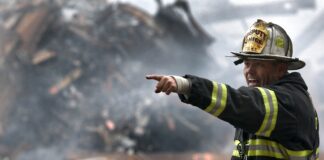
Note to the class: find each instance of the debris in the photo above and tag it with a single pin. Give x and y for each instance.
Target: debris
(110, 125)
(96, 158)
(11, 22)
(188, 124)
(142, 17)
(93, 90)
(183, 27)
(67, 80)
(8, 42)
(42, 56)
(32, 26)
(203, 156)
(84, 34)
(155, 156)
(171, 123)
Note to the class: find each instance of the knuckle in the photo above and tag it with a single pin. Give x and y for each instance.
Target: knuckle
(164, 78)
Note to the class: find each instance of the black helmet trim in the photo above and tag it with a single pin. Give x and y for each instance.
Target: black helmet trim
(293, 63)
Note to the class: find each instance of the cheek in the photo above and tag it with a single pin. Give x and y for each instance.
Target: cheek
(261, 74)
(266, 76)
(245, 72)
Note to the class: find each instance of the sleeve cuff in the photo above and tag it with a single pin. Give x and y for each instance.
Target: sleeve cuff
(183, 85)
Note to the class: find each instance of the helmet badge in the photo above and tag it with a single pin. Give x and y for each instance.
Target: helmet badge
(256, 39)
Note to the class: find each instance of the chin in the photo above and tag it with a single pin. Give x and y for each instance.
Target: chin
(253, 85)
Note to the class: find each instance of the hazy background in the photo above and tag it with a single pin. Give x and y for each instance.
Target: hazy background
(113, 100)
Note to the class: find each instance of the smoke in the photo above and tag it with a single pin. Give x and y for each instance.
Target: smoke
(110, 107)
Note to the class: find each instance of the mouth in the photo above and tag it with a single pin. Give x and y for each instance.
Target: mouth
(252, 82)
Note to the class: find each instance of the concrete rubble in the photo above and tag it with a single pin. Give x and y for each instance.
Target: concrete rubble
(72, 80)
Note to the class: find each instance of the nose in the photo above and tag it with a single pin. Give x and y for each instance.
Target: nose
(248, 69)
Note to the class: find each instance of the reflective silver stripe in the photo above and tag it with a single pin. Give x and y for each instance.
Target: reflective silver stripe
(218, 99)
(218, 102)
(271, 112)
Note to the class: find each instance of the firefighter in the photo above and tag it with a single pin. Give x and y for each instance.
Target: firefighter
(273, 115)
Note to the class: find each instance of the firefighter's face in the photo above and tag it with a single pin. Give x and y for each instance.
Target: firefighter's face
(260, 72)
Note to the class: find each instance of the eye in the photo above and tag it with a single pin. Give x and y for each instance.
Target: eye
(261, 65)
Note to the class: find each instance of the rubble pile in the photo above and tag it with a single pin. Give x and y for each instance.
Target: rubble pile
(72, 81)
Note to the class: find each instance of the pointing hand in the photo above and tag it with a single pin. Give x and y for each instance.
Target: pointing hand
(165, 83)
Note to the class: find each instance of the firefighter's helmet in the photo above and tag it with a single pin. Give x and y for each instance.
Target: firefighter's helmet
(268, 41)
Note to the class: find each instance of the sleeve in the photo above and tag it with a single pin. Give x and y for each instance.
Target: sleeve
(254, 109)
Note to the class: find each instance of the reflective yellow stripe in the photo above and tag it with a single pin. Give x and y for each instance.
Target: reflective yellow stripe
(271, 112)
(268, 148)
(256, 152)
(213, 98)
(265, 153)
(218, 99)
(317, 153)
(223, 101)
(236, 142)
(235, 153)
(299, 153)
(275, 113)
(263, 142)
(267, 110)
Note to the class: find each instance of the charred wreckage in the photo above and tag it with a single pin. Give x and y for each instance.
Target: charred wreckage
(72, 79)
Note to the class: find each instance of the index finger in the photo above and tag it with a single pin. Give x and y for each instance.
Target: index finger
(154, 77)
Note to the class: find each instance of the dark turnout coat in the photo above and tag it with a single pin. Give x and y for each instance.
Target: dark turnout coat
(277, 121)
